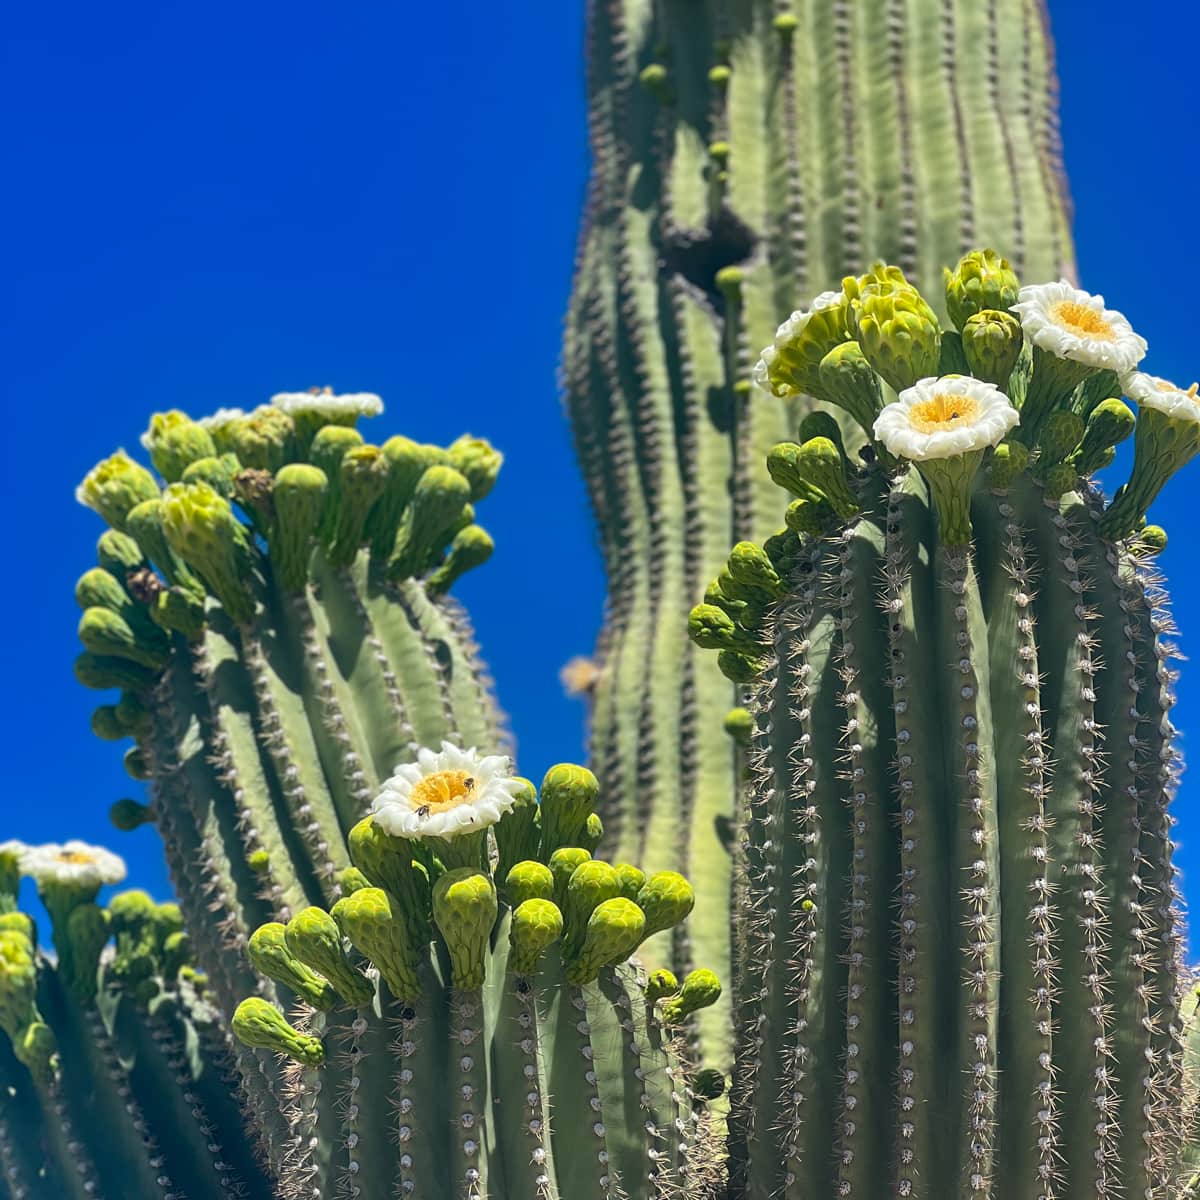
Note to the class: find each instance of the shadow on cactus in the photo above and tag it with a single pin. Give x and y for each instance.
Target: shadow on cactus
(958, 936)
(116, 1072)
(485, 1035)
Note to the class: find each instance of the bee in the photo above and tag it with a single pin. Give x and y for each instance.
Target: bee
(468, 785)
(423, 811)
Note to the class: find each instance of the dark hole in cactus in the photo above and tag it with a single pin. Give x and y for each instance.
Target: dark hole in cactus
(698, 254)
(721, 409)
(444, 656)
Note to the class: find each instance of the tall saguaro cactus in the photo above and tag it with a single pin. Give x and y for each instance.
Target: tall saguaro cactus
(747, 153)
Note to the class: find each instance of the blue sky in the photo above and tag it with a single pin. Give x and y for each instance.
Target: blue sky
(205, 205)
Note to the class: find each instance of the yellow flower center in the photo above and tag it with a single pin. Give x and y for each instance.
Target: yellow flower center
(1083, 321)
(442, 791)
(942, 411)
(74, 856)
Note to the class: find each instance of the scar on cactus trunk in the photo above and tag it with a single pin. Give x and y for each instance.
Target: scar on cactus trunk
(958, 942)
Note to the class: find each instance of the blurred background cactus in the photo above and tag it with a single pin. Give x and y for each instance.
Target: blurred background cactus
(747, 155)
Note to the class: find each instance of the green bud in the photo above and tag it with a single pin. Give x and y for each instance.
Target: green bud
(465, 908)
(118, 553)
(790, 366)
(630, 880)
(114, 486)
(178, 611)
(653, 78)
(128, 815)
(363, 476)
(563, 864)
(87, 932)
(106, 725)
(708, 1084)
(105, 632)
(259, 861)
(1151, 539)
(37, 1047)
(388, 863)
(1059, 479)
(803, 469)
(175, 441)
(1108, 424)
(739, 724)
(785, 25)
(477, 462)
(750, 566)
(351, 880)
(331, 444)
(1059, 435)
(662, 983)
(569, 794)
(259, 1024)
(518, 833)
(18, 981)
(99, 588)
(102, 672)
(428, 521)
(528, 881)
(614, 931)
(820, 424)
(897, 330)
(846, 379)
(1009, 459)
(299, 497)
(991, 344)
(268, 952)
(19, 923)
(700, 990)
(367, 919)
(201, 528)
(132, 713)
(264, 440)
(313, 937)
(471, 548)
(666, 899)
(739, 667)
(981, 281)
(177, 950)
(719, 76)
(810, 518)
(145, 524)
(782, 547)
(591, 883)
(136, 765)
(536, 924)
(217, 471)
(593, 833)
(407, 462)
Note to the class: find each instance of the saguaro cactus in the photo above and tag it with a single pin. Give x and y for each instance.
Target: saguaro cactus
(959, 945)
(117, 1076)
(498, 1046)
(747, 153)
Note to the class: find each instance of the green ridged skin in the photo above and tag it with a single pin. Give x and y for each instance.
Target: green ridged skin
(748, 154)
(957, 931)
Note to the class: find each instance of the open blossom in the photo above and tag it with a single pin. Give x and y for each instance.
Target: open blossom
(73, 862)
(1069, 323)
(1149, 391)
(941, 418)
(446, 793)
(323, 402)
(221, 418)
(786, 336)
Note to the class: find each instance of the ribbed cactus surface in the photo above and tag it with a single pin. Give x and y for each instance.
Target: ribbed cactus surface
(958, 939)
(479, 1033)
(747, 154)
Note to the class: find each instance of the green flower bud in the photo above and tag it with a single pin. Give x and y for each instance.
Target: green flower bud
(102, 672)
(846, 379)
(662, 983)
(128, 815)
(798, 470)
(991, 345)
(37, 1047)
(790, 366)
(136, 765)
(19, 923)
(518, 833)
(175, 441)
(388, 863)
(18, 981)
(666, 899)
(362, 477)
(145, 524)
(820, 424)
(133, 713)
(981, 281)
(711, 628)
(106, 725)
(471, 548)
(630, 879)
(614, 931)
(700, 990)
(299, 496)
(114, 486)
(428, 521)
(739, 667)
(259, 861)
(407, 462)
(708, 1084)
(1009, 459)
(105, 632)
(654, 79)
(201, 528)
(781, 548)
(810, 518)
(563, 864)
(99, 588)
(218, 471)
(536, 924)
(179, 611)
(528, 881)
(367, 919)
(177, 949)
(264, 440)
(259, 1024)
(268, 952)
(897, 330)
(477, 461)
(331, 444)
(351, 880)
(1108, 424)
(569, 794)
(750, 566)
(313, 937)
(1060, 434)
(1151, 539)
(739, 724)
(591, 883)
(87, 932)
(465, 908)
(593, 833)
(1059, 479)
(118, 553)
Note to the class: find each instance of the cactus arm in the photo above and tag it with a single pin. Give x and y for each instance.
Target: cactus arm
(29, 1168)
(1025, 1038)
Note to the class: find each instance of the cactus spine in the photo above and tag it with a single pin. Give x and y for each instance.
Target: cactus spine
(959, 955)
(747, 154)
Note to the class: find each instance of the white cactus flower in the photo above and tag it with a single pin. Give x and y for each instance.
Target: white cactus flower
(1149, 391)
(445, 794)
(942, 418)
(1069, 323)
(785, 335)
(221, 418)
(74, 862)
(323, 402)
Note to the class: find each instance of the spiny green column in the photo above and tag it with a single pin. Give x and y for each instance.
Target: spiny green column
(748, 154)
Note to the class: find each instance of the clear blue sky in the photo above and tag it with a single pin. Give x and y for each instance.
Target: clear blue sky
(207, 204)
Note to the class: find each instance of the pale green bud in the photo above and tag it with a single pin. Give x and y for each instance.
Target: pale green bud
(896, 328)
(18, 981)
(813, 471)
(662, 983)
(739, 724)
(471, 548)
(87, 932)
(810, 518)
(105, 632)
(363, 476)
(313, 937)
(518, 833)
(259, 1024)
(331, 444)
(351, 880)
(367, 919)
(739, 667)
(102, 672)
(1108, 424)
(614, 931)
(563, 864)
(630, 880)
(666, 899)
(1009, 459)
(477, 461)
(849, 381)
(591, 883)
(137, 765)
(407, 462)
(178, 611)
(114, 486)
(820, 424)
(713, 629)
(268, 952)
(388, 863)
(118, 553)
(593, 833)
(569, 794)
(265, 440)
(750, 567)
(1059, 434)
(218, 471)
(791, 364)
(982, 280)
(1151, 539)
(700, 990)
(529, 881)
(1059, 479)
(37, 1047)
(175, 441)
(429, 520)
(536, 924)
(465, 908)
(99, 588)
(991, 345)
(299, 496)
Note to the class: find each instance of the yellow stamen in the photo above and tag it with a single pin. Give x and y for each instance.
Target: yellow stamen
(1083, 321)
(442, 791)
(942, 411)
(74, 856)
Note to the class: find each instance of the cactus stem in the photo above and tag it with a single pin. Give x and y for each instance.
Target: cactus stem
(469, 1070)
